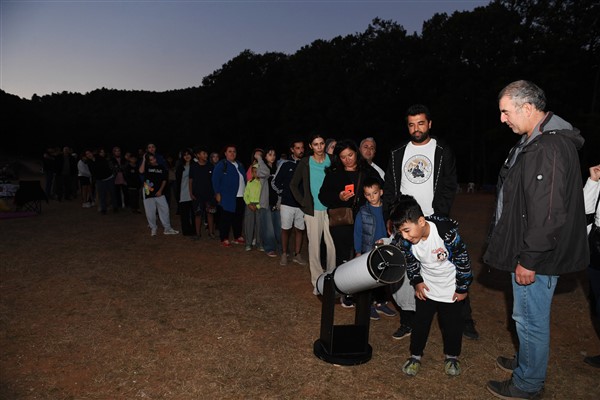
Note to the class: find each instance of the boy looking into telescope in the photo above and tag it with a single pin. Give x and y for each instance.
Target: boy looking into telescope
(439, 268)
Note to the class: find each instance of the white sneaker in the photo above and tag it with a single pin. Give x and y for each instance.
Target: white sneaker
(86, 205)
(152, 233)
(171, 232)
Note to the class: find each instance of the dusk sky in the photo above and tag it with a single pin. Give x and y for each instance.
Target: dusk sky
(51, 46)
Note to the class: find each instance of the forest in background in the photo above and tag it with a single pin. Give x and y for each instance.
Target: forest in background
(353, 86)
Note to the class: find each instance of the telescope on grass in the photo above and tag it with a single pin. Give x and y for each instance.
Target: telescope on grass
(349, 344)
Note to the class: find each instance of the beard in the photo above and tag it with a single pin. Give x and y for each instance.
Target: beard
(419, 137)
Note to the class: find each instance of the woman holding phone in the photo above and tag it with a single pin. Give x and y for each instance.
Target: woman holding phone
(343, 187)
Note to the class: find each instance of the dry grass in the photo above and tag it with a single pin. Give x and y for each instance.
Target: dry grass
(92, 307)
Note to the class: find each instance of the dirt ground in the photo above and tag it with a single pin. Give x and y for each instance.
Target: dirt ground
(92, 307)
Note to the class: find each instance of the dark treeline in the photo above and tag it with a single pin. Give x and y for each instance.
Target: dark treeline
(353, 86)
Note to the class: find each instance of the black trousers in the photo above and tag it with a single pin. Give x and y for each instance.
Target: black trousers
(232, 220)
(406, 316)
(343, 240)
(451, 324)
(188, 218)
(133, 195)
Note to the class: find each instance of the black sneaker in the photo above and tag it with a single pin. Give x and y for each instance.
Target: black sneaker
(402, 332)
(593, 361)
(470, 332)
(347, 302)
(506, 364)
(383, 308)
(374, 314)
(506, 390)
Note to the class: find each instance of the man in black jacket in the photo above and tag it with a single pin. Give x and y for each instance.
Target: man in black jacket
(424, 168)
(540, 228)
(292, 215)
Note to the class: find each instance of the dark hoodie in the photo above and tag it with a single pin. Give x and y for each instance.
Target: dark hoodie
(540, 220)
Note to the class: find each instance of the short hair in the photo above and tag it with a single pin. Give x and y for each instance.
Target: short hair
(371, 181)
(367, 139)
(405, 209)
(417, 109)
(228, 146)
(294, 141)
(521, 92)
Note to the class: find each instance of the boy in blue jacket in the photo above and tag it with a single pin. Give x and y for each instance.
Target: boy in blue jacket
(369, 227)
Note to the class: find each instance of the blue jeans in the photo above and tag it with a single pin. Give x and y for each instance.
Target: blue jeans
(270, 229)
(531, 313)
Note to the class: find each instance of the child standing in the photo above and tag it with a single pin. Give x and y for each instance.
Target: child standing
(155, 181)
(369, 226)
(439, 268)
(252, 199)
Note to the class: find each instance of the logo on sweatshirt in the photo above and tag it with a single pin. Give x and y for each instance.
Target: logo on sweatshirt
(440, 253)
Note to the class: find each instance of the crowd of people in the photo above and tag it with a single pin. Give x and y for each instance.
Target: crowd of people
(273, 205)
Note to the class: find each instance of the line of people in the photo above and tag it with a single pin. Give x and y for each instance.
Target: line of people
(269, 202)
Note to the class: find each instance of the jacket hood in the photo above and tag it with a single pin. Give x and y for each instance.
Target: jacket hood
(444, 224)
(555, 125)
(574, 136)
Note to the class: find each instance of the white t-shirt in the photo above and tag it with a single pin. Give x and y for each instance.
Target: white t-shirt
(242, 183)
(417, 174)
(438, 273)
(184, 191)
